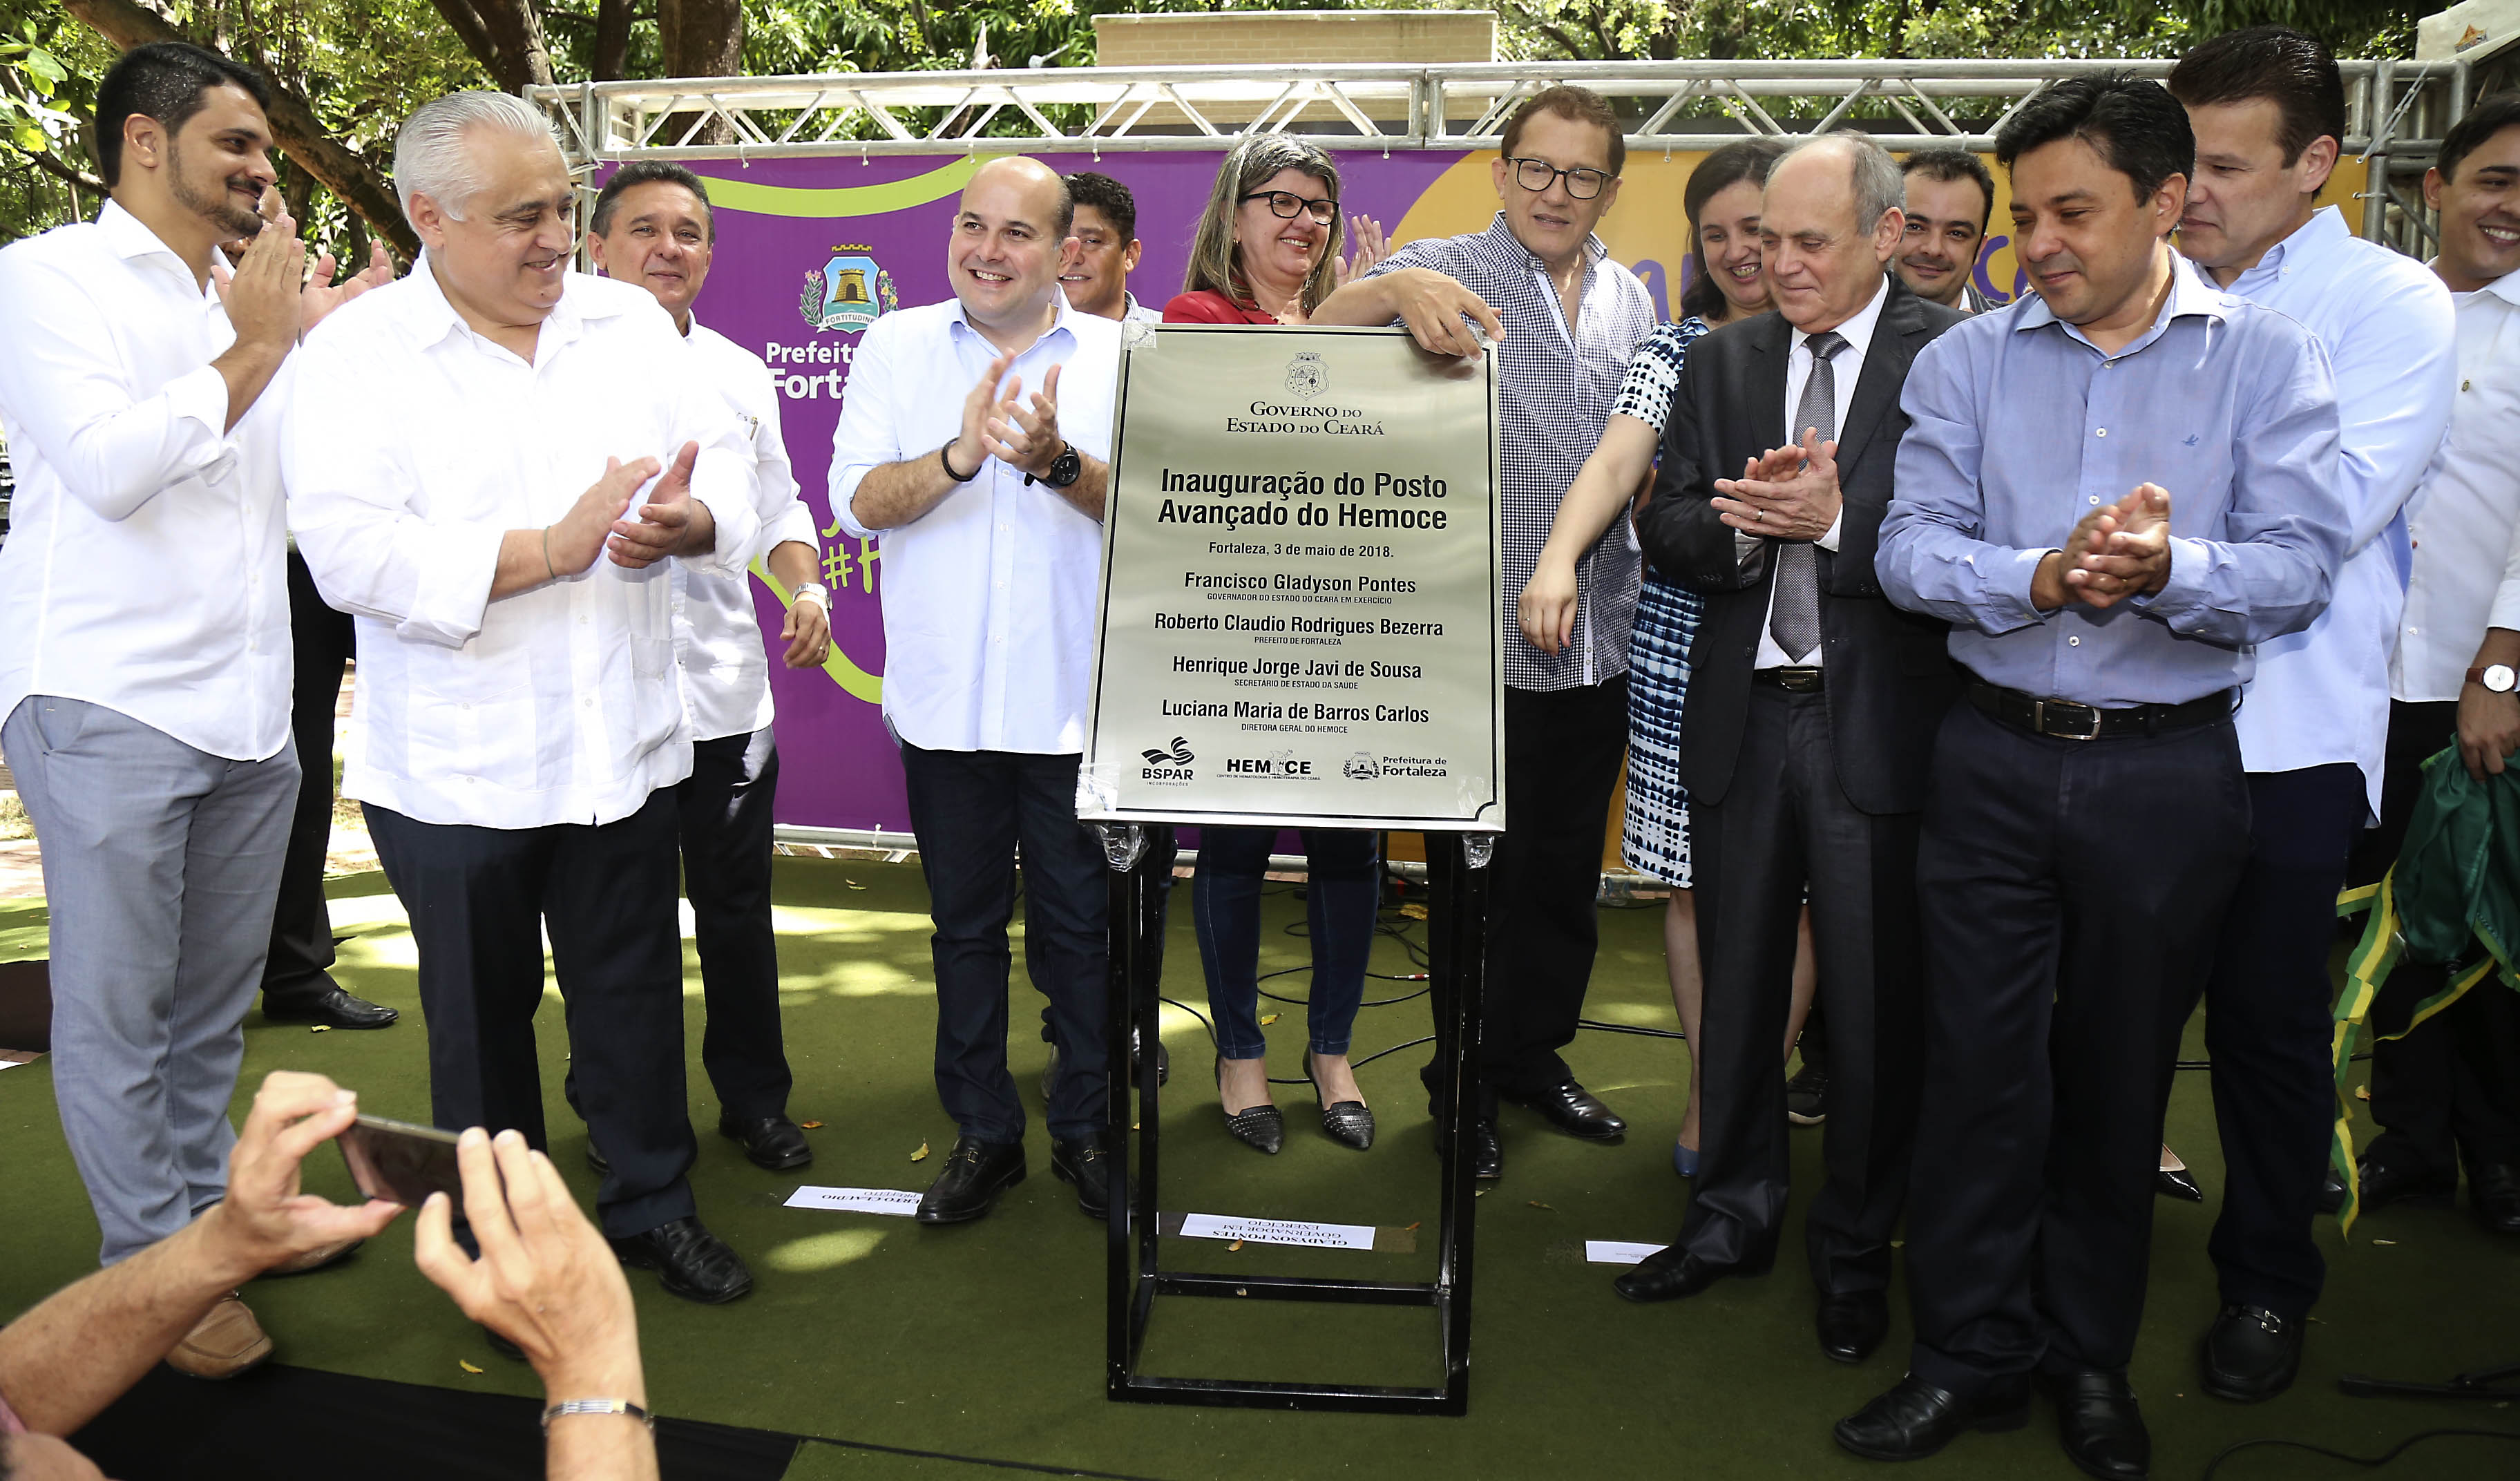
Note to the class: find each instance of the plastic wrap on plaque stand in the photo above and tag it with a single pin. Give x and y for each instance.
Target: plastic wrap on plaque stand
(1141, 857)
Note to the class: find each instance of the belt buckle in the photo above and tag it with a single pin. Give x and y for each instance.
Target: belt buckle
(2039, 719)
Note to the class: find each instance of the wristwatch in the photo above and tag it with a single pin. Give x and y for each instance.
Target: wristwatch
(2498, 677)
(1065, 469)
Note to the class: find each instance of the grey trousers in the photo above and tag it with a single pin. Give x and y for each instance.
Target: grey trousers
(160, 866)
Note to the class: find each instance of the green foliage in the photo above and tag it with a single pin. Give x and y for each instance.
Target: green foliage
(49, 63)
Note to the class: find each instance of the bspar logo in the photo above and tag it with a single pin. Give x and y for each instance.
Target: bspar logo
(848, 292)
(1306, 377)
(1179, 755)
(1362, 767)
(1168, 768)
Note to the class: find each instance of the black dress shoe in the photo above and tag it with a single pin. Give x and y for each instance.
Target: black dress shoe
(1487, 1150)
(595, 1157)
(325, 1004)
(1914, 1419)
(2379, 1186)
(1574, 1110)
(976, 1173)
(2331, 1194)
(1085, 1162)
(2494, 1197)
(2173, 1182)
(1807, 1095)
(2097, 1421)
(695, 1263)
(1671, 1273)
(2251, 1354)
(1851, 1328)
(771, 1142)
(1349, 1123)
(1262, 1126)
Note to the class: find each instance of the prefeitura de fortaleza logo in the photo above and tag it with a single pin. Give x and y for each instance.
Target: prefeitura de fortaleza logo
(848, 292)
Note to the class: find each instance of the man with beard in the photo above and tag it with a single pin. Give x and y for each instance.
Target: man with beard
(144, 589)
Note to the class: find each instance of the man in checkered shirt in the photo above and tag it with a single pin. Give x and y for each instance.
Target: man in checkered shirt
(1567, 319)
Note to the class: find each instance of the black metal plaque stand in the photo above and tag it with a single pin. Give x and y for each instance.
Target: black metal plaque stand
(1142, 856)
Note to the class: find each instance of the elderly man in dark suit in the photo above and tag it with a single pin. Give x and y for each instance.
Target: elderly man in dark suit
(1812, 711)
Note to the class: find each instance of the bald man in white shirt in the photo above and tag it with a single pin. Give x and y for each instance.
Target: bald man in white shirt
(520, 728)
(652, 225)
(144, 679)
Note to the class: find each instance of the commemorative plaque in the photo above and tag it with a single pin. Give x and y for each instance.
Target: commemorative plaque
(1301, 585)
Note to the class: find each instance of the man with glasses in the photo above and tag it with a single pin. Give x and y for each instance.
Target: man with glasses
(1566, 320)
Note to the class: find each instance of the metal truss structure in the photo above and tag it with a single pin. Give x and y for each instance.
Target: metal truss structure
(2399, 110)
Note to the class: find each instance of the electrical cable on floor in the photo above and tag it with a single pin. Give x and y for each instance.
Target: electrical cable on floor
(2366, 1462)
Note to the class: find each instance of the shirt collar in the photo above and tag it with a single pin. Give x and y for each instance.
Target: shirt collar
(428, 317)
(2309, 242)
(2189, 295)
(1858, 330)
(1057, 320)
(2506, 287)
(132, 240)
(1500, 236)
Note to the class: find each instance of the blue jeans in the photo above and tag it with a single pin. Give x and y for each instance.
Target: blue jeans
(1339, 906)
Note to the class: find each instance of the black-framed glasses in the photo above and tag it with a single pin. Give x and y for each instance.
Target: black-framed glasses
(1538, 175)
(1289, 205)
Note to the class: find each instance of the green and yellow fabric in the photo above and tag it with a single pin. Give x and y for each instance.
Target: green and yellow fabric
(2452, 898)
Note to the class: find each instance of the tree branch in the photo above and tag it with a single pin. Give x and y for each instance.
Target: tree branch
(294, 126)
(611, 38)
(67, 174)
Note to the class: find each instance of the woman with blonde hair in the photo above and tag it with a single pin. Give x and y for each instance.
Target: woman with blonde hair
(1267, 251)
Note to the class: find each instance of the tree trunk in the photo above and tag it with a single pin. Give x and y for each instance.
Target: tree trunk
(701, 38)
(357, 182)
(611, 38)
(505, 37)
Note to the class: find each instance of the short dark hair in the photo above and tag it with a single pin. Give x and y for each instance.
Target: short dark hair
(2133, 123)
(1951, 165)
(2294, 72)
(607, 201)
(1577, 105)
(1106, 195)
(164, 80)
(2485, 118)
(1742, 159)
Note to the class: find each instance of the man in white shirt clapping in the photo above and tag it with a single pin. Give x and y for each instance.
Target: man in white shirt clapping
(990, 505)
(652, 225)
(464, 453)
(144, 679)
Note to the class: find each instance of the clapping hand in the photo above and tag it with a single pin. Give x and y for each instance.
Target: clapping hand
(1790, 492)
(1370, 248)
(670, 523)
(321, 294)
(1025, 437)
(2120, 550)
(262, 294)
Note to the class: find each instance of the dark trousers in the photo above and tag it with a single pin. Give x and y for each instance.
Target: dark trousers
(1784, 821)
(2270, 1035)
(971, 810)
(1562, 749)
(2070, 893)
(302, 928)
(481, 900)
(2450, 1090)
(1340, 892)
(723, 813)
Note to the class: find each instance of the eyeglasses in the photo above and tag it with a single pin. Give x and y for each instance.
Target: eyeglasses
(1538, 175)
(1289, 205)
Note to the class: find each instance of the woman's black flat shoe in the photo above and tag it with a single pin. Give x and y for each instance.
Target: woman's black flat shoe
(1261, 1126)
(2173, 1182)
(1350, 1123)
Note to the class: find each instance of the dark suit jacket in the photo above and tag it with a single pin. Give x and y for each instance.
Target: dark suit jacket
(1888, 676)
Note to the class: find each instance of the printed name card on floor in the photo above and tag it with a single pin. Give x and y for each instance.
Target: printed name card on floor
(1278, 1232)
(1618, 1252)
(857, 1201)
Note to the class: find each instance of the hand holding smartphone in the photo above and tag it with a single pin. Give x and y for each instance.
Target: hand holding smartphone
(400, 1162)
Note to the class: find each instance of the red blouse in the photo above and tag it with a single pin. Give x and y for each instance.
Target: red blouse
(1205, 308)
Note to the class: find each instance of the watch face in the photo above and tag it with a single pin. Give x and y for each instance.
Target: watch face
(2499, 678)
(1066, 468)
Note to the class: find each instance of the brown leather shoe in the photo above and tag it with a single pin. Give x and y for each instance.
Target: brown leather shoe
(323, 1258)
(223, 1344)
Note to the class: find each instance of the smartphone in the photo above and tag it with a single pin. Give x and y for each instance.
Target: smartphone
(401, 1163)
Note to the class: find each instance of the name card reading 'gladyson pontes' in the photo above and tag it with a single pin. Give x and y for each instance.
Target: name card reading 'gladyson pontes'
(1301, 574)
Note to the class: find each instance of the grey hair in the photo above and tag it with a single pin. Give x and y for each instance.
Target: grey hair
(1213, 265)
(1880, 185)
(429, 153)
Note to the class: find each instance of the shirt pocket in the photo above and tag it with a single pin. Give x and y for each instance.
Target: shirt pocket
(655, 689)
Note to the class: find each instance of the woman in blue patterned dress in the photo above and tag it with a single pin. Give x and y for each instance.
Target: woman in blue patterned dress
(1722, 199)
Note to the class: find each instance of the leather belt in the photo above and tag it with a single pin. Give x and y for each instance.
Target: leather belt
(2066, 720)
(1793, 680)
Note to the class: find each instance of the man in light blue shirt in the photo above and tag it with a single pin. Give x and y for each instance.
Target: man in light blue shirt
(2112, 490)
(2267, 106)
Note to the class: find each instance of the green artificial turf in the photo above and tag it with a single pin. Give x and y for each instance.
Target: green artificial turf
(987, 1340)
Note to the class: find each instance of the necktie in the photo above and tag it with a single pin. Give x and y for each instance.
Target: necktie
(1793, 616)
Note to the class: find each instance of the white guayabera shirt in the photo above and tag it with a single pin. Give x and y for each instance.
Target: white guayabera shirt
(412, 445)
(146, 563)
(718, 636)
